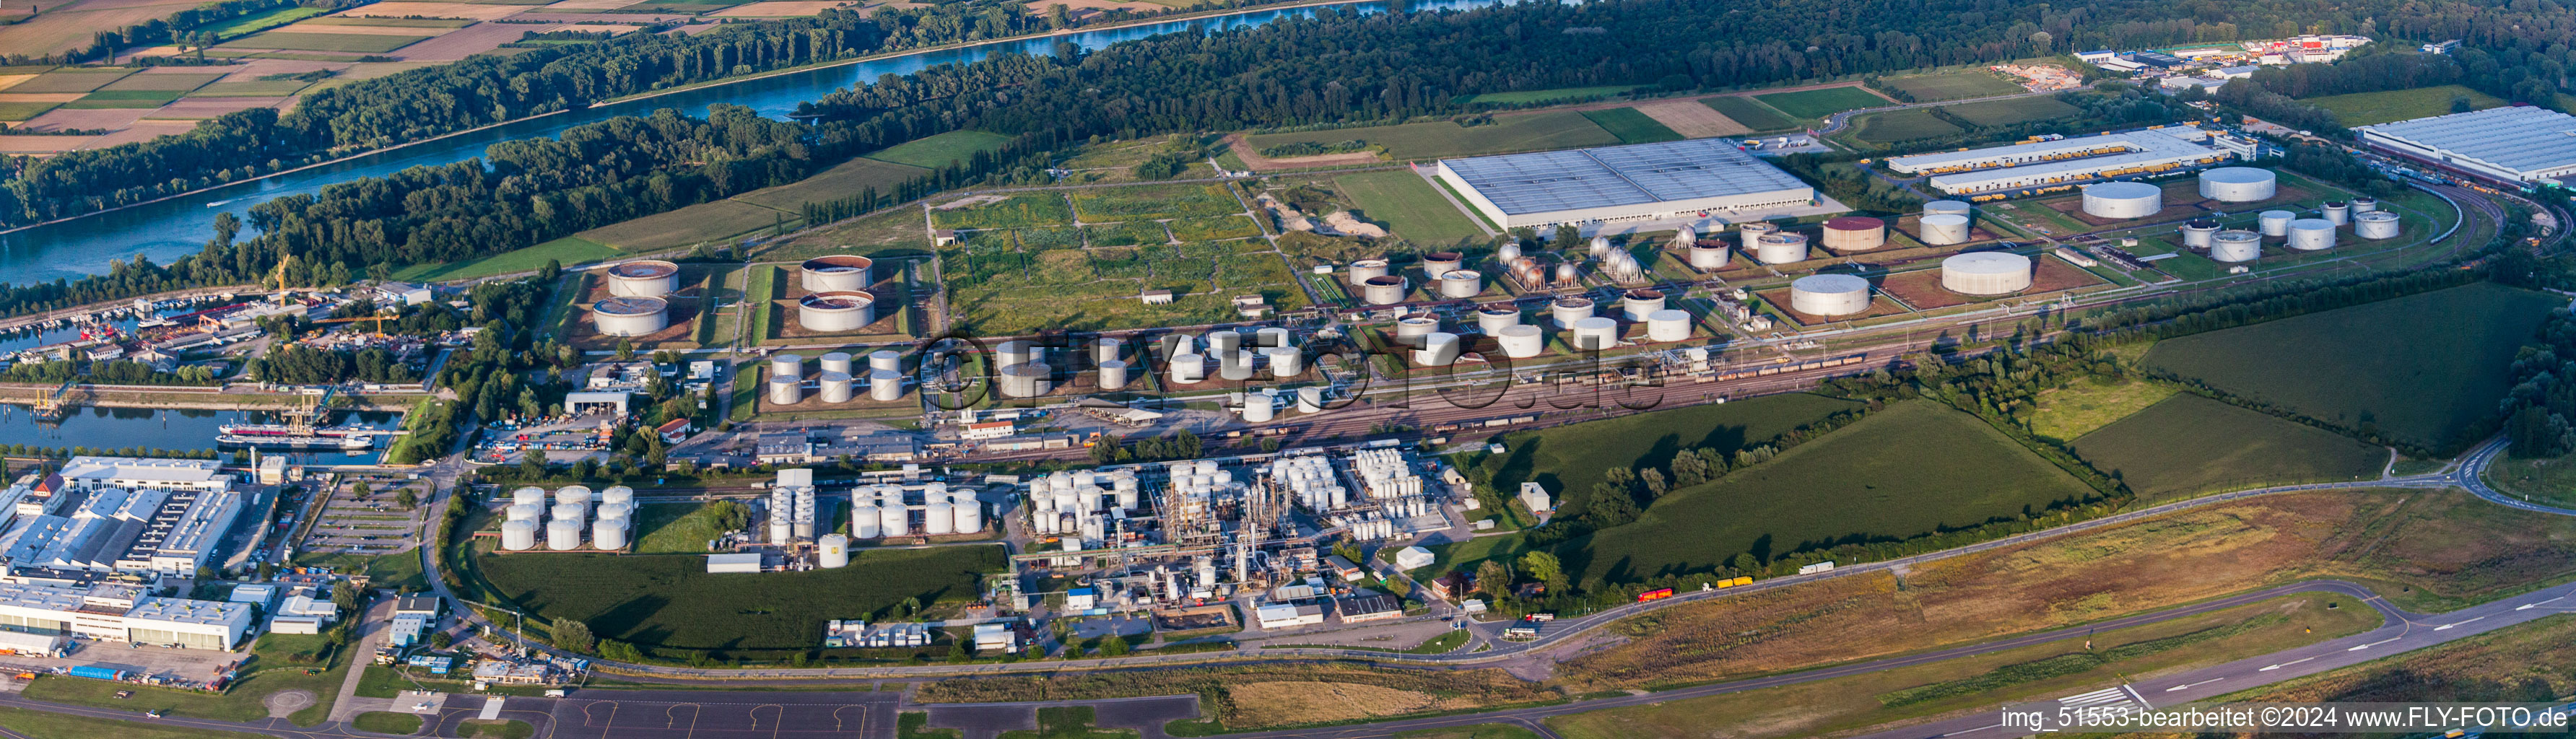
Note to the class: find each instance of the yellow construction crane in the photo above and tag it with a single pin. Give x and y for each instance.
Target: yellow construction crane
(278, 275)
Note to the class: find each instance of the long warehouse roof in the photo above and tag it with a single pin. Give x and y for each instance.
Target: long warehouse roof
(1619, 175)
(2525, 139)
(2149, 147)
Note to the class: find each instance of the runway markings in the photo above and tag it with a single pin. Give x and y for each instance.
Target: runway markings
(2529, 606)
(2457, 623)
(2372, 644)
(2285, 664)
(2193, 685)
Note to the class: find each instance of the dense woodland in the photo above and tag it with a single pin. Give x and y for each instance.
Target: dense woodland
(304, 365)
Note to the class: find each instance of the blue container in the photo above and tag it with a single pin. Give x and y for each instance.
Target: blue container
(97, 673)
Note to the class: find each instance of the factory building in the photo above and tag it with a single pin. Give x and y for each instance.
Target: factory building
(1694, 178)
(2064, 161)
(121, 514)
(2519, 145)
(121, 613)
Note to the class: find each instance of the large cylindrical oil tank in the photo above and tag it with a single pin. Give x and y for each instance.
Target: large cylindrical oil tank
(1025, 380)
(1668, 325)
(836, 273)
(837, 387)
(1461, 283)
(579, 494)
(1947, 207)
(529, 495)
(840, 362)
(2311, 234)
(2337, 211)
(1565, 311)
(1596, 333)
(885, 359)
(832, 551)
(1222, 342)
(2276, 223)
(2238, 184)
(1443, 262)
(625, 316)
(1409, 331)
(1285, 361)
(1829, 295)
(2376, 224)
(2235, 246)
(894, 520)
(518, 536)
(1986, 273)
(1492, 317)
(1273, 336)
(1235, 365)
(790, 366)
(836, 312)
(1188, 368)
(1108, 349)
(1015, 351)
(643, 278)
(2123, 200)
(1310, 399)
(969, 513)
(884, 385)
(1943, 229)
(1259, 408)
(1113, 375)
(523, 512)
(1781, 248)
(1641, 302)
(2364, 204)
(937, 519)
(1383, 290)
(1438, 350)
(1855, 233)
(563, 534)
(786, 391)
(1709, 255)
(1749, 236)
(607, 534)
(1523, 341)
(2196, 232)
(1166, 345)
(864, 519)
(1363, 270)
(617, 494)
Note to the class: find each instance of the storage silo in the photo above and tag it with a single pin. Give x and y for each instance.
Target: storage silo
(836, 273)
(1461, 283)
(1235, 365)
(1014, 352)
(894, 520)
(786, 391)
(2236, 246)
(643, 278)
(1113, 375)
(1026, 380)
(617, 495)
(2336, 211)
(1523, 341)
(1366, 269)
(1273, 336)
(1188, 368)
(518, 536)
(1222, 342)
(1668, 325)
(1409, 331)
(2311, 234)
(1709, 256)
(1438, 350)
(1781, 248)
(1855, 233)
(2375, 224)
(563, 534)
(574, 494)
(1492, 317)
(832, 551)
(1567, 275)
(937, 519)
(622, 513)
(2123, 200)
(1986, 273)
(885, 385)
(607, 534)
(1443, 262)
(790, 366)
(529, 495)
(1175, 343)
(1942, 229)
(2276, 223)
(1565, 311)
(840, 362)
(2238, 184)
(1310, 399)
(1258, 408)
(2197, 232)
(1285, 361)
(1829, 295)
(624, 316)
(1108, 349)
(1947, 207)
(523, 512)
(1596, 333)
(837, 387)
(1640, 303)
(885, 359)
(2364, 204)
(864, 518)
(1749, 236)
(970, 514)
(1383, 290)
(836, 312)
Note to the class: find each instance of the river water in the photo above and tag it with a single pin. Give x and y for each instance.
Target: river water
(168, 229)
(172, 429)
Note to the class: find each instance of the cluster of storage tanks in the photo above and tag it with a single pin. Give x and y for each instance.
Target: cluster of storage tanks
(838, 381)
(1943, 223)
(638, 302)
(879, 511)
(1620, 265)
(568, 519)
(1239, 355)
(1310, 481)
(1077, 504)
(837, 298)
(792, 507)
(2294, 231)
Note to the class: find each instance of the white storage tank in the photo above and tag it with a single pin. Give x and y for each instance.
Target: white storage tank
(791, 366)
(579, 494)
(518, 536)
(837, 387)
(885, 359)
(1596, 333)
(621, 513)
(1947, 207)
(2364, 204)
(1442, 262)
(864, 518)
(1285, 361)
(786, 391)
(1113, 375)
(832, 551)
(840, 362)
(563, 534)
(937, 519)
(643, 278)
(1461, 283)
(1668, 325)
(836, 312)
(1026, 380)
(617, 494)
(885, 385)
(1523, 341)
(625, 316)
(2123, 200)
(2236, 246)
(2276, 223)
(2375, 224)
(1749, 236)
(2238, 184)
(1108, 349)
(1565, 311)
(1438, 350)
(1781, 248)
(1855, 233)
(1829, 295)
(894, 520)
(1640, 303)
(1222, 342)
(2337, 211)
(1383, 290)
(1258, 408)
(523, 512)
(529, 495)
(2197, 232)
(1986, 273)
(1366, 269)
(835, 273)
(1235, 365)
(2311, 234)
(608, 534)
(1409, 331)
(1492, 317)
(1273, 336)
(1188, 368)
(1943, 229)
(970, 515)
(1310, 399)
(1709, 256)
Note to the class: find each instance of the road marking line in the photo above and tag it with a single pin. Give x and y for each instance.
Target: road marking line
(2372, 644)
(2194, 685)
(2285, 664)
(2457, 623)
(2528, 606)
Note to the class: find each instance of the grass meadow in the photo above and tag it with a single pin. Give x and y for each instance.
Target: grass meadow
(2366, 108)
(1902, 125)
(1631, 126)
(2188, 444)
(1530, 97)
(1820, 102)
(568, 250)
(1408, 206)
(1752, 114)
(2009, 112)
(669, 600)
(933, 152)
(1951, 85)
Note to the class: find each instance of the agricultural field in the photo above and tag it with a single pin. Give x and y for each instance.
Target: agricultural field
(1556, 129)
(2079, 408)
(73, 79)
(2366, 108)
(848, 179)
(1532, 97)
(1819, 102)
(347, 43)
(261, 21)
(1927, 88)
(252, 87)
(123, 99)
(569, 250)
(938, 151)
(670, 602)
(2188, 445)
(705, 222)
(1747, 111)
(1153, 202)
(1907, 124)
(166, 82)
(1571, 458)
(73, 24)
(1631, 125)
(2008, 112)
(2423, 368)
(1408, 206)
(2544, 479)
(13, 112)
(990, 211)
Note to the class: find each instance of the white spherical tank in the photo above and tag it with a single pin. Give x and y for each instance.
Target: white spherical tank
(885, 385)
(1668, 325)
(1567, 275)
(2123, 200)
(1709, 256)
(836, 273)
(1641, 302)
(2337, 211)
(885, 359)
(625, 316)
(1749, 236)
(2276, 223)
(832, 551)
(2311, 234)
(1383, 290)
(837, 387)
(1943, 229)
(1523, 341)
(1113, 375)
(1188, 368)
(2197, 232)
(2375, 224)
(1026, 380)
(1855, 233)
(1438, 350)
(1781, 248)
(1285, 361)
(1461, 283)
(864, 520)
(1947, 207)
(1364, 270)
(643, 278)
(937, 519)
(607, 534)
(1598, 246)
(1986, 273)
(1566, 311)
(518, 536)
(1495, 316)
(836, 312)
(1596, 333)
(786, 391)
(563, 534)
(840, 362)
(2238, 184)
(790, 366)
(1829, 295)
(2236, 246)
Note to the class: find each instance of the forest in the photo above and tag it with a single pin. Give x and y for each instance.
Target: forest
(304, 365)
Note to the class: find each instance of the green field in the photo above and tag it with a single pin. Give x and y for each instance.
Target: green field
(1907, 124)
(569, 250)
(2366, 108)
(1408, 206)
(1821, 102)
(250, 88)
(274, 667)
(1631, 126)
(848, 179)
(1556, 129)
(2079, 408)
(1752, 114)
(23, 111)
(2009, 112)
(954, 147)
(1016, 211)
(669, 600)
(2421, 369)
(351, 43)
(35, 724)
(1526, 97)
(124, 99)
(674, 528)
(1951, 86)
(2189, 444)
(75, 79)
(1914, 468)
(395, 22)
(1153, 202)
(387, 722)
(705, 222)
(1569, 459)
(1213, 228)
(162, 82)
(261, 21)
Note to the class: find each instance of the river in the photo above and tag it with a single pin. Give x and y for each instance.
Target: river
(109, 429)
(168, 229)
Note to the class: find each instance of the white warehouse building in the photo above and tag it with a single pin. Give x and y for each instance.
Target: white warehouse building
(2064, 161)
(2510, 144)
(1621, 183)
(133, 515)
(120, 613)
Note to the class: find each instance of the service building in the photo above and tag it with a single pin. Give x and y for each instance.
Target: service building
(1624, 183)
(121, 613)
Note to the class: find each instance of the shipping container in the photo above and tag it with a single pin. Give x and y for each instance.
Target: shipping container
(1657, 594)
(97, 673)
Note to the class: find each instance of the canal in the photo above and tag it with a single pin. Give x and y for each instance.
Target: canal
(107, 430)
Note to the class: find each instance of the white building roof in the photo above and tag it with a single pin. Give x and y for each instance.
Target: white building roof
(2521, 139)
(184, 611)
(144, 472)
(2173, 144)
(1551, 181)
(40, 597)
